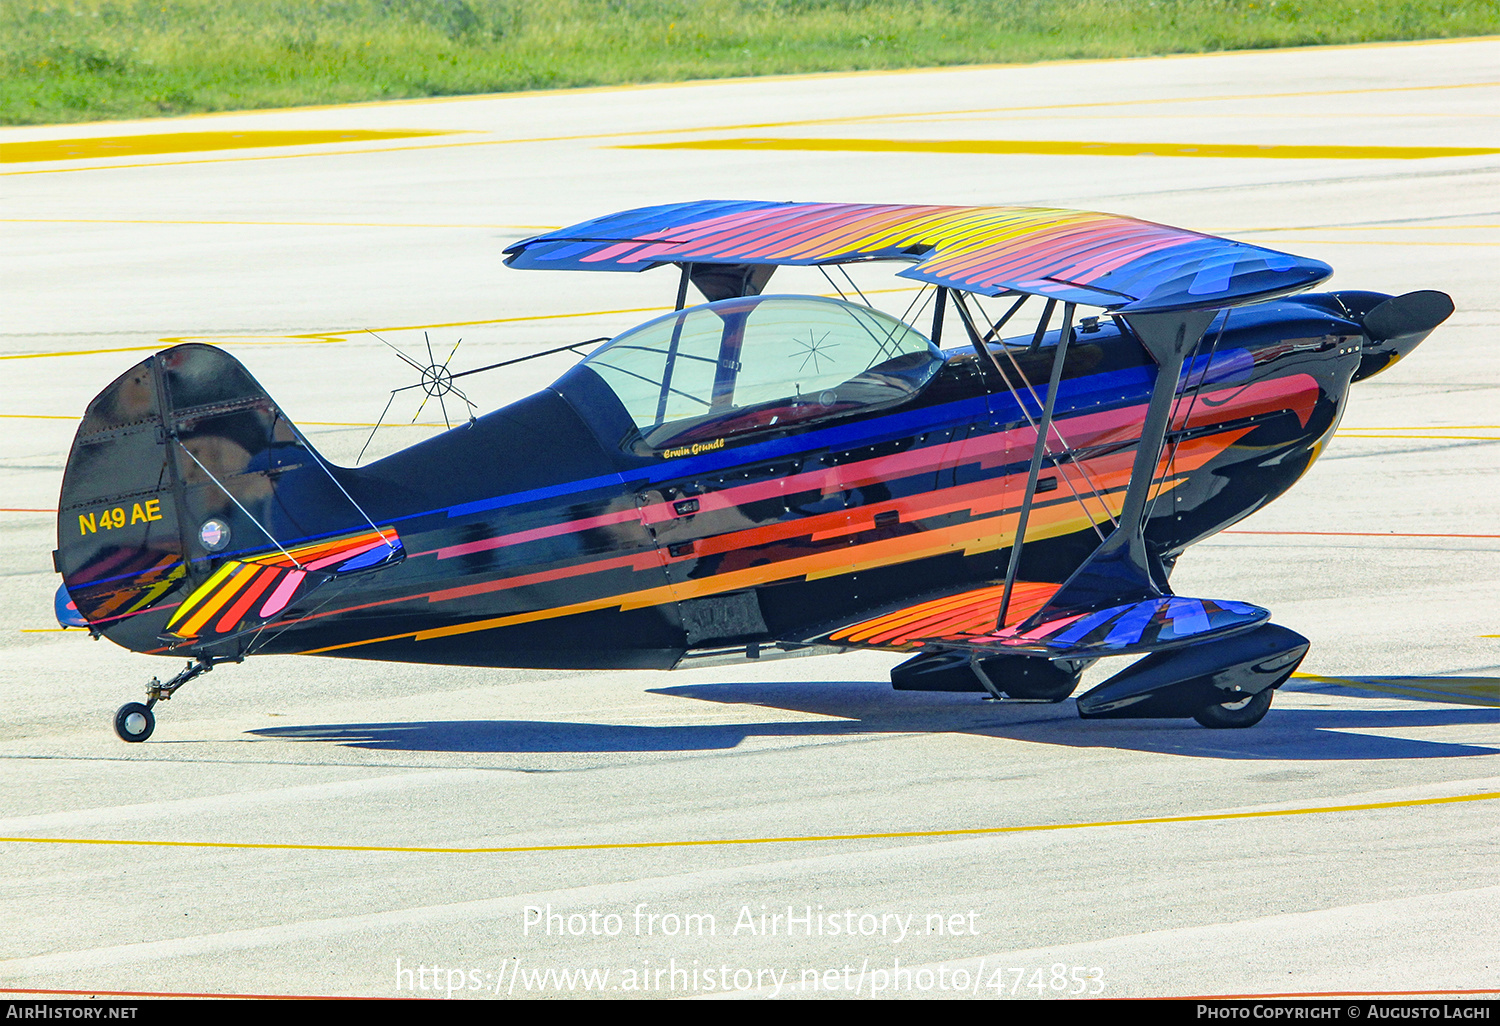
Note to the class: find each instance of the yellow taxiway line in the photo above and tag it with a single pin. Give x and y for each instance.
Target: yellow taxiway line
(1069, 148)
(883, 835)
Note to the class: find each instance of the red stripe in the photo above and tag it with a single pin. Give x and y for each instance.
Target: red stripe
(237, 611)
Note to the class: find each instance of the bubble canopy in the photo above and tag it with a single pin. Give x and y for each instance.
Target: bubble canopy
(759, 363)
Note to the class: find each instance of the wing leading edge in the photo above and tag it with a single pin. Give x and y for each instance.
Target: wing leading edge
(1075, 256)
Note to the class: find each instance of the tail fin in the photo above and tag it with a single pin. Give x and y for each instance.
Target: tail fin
(188, 493)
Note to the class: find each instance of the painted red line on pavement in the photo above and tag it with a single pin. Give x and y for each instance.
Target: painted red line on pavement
(17, 509)
(1364, 534)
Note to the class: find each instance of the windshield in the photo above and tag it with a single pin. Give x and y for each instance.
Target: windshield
(760, 362)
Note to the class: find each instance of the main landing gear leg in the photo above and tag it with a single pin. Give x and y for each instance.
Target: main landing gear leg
(135, 722)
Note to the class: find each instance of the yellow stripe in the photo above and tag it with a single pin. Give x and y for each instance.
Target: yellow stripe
(1075, 149)
(1484, 691)
(106, 146)
(803, 839)
(344, 335)
(219, 600)
(207, 587)
(813, 121)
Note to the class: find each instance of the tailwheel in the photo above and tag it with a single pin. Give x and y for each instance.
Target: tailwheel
(1246, 712)
(134, 722)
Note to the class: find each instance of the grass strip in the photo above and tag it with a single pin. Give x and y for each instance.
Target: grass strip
(79, 60)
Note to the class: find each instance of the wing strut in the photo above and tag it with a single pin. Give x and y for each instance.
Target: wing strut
(1121, 569)
(1118, 602)
(1043, 427)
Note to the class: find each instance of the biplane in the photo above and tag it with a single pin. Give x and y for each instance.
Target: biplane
(762, 475)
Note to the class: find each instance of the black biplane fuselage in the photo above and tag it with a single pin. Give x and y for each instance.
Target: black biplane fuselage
(756, 477)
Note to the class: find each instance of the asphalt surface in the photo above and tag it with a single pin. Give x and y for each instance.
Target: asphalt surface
(314, 826)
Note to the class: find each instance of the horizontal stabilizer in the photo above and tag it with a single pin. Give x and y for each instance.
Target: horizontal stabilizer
(246, 595)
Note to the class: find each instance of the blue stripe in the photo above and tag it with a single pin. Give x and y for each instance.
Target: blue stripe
(1082, 627)
(1188, 617)
(1092, 394)
(1130, 627)
(535, 494)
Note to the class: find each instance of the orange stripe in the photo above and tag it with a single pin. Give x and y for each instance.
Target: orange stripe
(313, 550)
(203, 591)
(1023, 603)
(984, 611)
(971, 613)
(348, 541)
(882, 553)
(216, 601)
(912, 614)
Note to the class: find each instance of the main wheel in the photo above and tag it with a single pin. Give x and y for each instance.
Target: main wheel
(1246, 712)
(134, 722)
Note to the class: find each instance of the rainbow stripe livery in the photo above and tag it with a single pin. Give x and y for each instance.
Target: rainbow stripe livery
(761, 476)
(254, 592)
(1118, 263)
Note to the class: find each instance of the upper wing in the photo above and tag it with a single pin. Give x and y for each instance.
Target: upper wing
(1075, 256)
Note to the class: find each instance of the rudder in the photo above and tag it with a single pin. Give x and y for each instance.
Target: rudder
(181, 467)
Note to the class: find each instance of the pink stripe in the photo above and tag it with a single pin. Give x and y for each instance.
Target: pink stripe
(550, 531)
(616, 251)
(1051, 627)
(282, 595)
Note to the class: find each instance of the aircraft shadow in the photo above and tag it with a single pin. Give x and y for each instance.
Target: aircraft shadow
(866, 709)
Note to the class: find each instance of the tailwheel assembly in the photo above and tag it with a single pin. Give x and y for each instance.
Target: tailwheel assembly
(135, 722)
